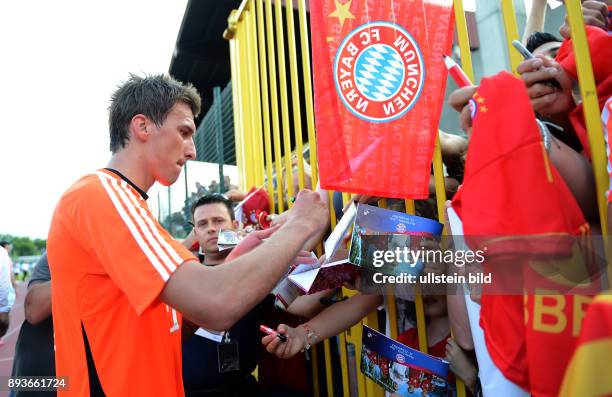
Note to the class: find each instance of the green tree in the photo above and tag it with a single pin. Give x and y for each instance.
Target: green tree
(40, 244)
(23, 246)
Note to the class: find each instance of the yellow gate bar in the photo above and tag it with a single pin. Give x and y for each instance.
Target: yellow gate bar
(438, 170)
(353, 334)
(238, 124)
(511, 33)
(328, 368)
(418, 297)
(372, 389)
(295, 92)
(464, 40)
(316, 389)
(440, 203)
(392, 312)
(254, 95)
(390, 297)
(274, 103)
(244, 101)
(310, 122)
(265, 102)
(282, 77)
(356, 339)
(592, 116)
(342, 339)
(420, 318)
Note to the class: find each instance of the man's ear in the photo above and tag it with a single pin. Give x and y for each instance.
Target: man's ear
(138, 127)
(235, 223)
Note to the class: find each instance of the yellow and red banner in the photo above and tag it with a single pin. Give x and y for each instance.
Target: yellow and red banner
(379, 81)
(587, 373)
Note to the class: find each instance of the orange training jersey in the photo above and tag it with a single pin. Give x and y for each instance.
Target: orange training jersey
(109, 261)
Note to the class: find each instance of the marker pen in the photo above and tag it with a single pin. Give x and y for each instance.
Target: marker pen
(456, 72)
(270, 331)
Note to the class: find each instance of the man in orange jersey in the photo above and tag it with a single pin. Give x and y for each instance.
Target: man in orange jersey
(121, 282)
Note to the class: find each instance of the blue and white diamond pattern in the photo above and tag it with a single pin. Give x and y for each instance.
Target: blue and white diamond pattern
(379, 72)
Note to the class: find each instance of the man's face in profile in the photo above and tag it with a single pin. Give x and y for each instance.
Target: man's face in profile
(171, 144)
(208, 220)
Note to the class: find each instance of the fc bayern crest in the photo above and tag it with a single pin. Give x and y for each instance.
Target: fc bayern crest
(379, 72)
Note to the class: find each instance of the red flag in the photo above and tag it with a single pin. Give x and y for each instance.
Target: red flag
(600, 47)
(511, 189)
(379, 83)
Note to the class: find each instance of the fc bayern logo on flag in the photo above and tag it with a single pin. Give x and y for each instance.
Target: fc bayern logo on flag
(379, 71)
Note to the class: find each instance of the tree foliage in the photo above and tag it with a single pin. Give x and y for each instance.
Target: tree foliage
(24, 246)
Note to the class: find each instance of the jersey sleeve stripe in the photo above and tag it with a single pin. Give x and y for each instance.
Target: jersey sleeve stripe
(154, 230)
(104, 179)
(145, 232)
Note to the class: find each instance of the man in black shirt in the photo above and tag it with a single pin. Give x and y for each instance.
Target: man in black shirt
(34, 355)
(201, 351)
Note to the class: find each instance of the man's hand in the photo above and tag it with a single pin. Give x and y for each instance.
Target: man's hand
(235, 195)
(303, 258)
(547, 100)
(595, 14)
(309, 211)
(296, 340)
(459, 100)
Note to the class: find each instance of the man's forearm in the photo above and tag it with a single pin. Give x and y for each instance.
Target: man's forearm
(309, 305)
(216, 297)
(37, 304)
(535, 19)
(249, 278)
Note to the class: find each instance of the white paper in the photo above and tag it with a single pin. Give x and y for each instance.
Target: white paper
(286, 291)
(335, 238)
(216, 336)
(305, 279)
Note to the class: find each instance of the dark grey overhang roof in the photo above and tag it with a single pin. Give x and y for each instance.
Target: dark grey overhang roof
(201, 54)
